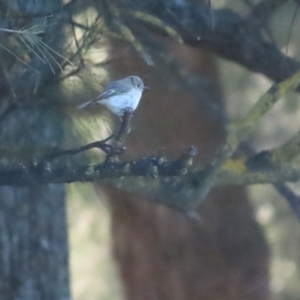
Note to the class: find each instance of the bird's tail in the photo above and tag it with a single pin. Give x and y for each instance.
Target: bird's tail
(85, 104)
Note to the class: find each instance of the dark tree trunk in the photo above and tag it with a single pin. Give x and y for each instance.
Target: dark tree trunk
(163, 254)
(33, 231)
(33, 243)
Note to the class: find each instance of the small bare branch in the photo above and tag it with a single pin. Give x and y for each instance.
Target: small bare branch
(106, 148)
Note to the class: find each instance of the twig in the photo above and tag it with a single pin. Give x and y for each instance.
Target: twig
(106, 148)
(287, 193)
(292, 199)
(118, 143)
(125, 127)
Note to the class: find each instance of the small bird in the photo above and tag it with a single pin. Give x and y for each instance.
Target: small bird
(120, 94)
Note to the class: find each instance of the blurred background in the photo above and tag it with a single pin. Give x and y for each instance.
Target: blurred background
(57, 54)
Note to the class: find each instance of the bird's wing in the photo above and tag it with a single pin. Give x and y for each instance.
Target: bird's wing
(113, 89)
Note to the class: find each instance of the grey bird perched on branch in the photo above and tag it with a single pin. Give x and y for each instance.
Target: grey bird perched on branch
(120, 94)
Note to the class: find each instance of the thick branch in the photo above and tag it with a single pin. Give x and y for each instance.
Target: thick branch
(161, 181)
(228, 35)
(238, 40)
(58, 171)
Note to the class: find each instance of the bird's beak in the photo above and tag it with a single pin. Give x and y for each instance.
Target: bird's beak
(146, 88)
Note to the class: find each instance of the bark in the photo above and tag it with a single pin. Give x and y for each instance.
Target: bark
(33, 233)
(33, 243)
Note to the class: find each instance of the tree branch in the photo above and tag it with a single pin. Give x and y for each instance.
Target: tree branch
(58, 171)
(162, 181)
(227, 34)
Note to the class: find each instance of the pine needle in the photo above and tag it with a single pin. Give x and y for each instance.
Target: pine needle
(29, 37)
